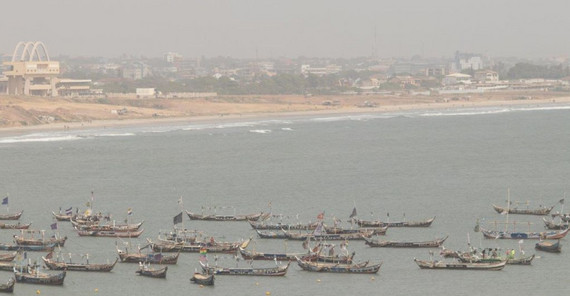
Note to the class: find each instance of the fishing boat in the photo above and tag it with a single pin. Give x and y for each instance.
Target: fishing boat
(459, 265)
(104, 233)
(336, 258)
(338, 267)
(182, 236)
(549, 246)
(280, 270)
(15, 226)
(424, 223)
(87, 219)
(540, 211)
(211, 246)
(108, 227)
(329, 236)
(8, 257)
(511, 260)
(399, 244)
(146, 270)
(154, 258)
(554, 226)
(278, 226)
(34, 276)
(496, 234)
(37, 238)
(252, 217)
(11, 216)
(62, 217)
(523, 260)
(61, 265)
(8, 287)
(253, 255)
(271, 234)
(33, 248)
(375, 230)
(203, 279)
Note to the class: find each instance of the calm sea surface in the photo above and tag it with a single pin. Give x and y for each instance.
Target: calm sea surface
(451, 164)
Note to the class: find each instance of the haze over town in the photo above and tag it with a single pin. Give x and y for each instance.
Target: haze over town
(266, 29)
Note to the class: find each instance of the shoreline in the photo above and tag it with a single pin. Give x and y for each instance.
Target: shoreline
(221, 118)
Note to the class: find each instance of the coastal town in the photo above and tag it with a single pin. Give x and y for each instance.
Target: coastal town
(69, 89)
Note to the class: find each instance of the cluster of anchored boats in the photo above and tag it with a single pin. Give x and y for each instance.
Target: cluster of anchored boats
(319, 254)
(494, 259)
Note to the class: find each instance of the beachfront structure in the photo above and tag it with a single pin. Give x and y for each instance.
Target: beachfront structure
(146, 92)
(30, 71)
(73, 87)
(456, 78)
(487, 76)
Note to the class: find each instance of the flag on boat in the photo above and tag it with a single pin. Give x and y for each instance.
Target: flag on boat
(203, 252)
(477, 227)
(353, 214)
(92, 196)
(129, 211)
(561, 201)
(177, 219)
(53, 226)
(5, 201)
(69, 211)
(321, 216)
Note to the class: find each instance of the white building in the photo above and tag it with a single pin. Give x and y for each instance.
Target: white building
(146, 92)
(172, 57)
(487, 76)
(329, 69)
(456, 78)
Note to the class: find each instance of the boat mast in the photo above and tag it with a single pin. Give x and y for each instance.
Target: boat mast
(508, 208)
(562, 208)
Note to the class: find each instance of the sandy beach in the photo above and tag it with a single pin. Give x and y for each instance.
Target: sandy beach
(22, 115)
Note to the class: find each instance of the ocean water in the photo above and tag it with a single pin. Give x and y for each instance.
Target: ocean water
(452, 164)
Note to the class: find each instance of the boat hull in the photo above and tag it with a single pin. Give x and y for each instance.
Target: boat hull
(203, 279)
(460, 265)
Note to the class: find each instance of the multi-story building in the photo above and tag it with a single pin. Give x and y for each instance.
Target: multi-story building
(135, 71)
(172, 57)
(467, 61)
(30, 71)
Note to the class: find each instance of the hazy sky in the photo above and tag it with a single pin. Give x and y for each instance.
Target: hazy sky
(314, 28)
